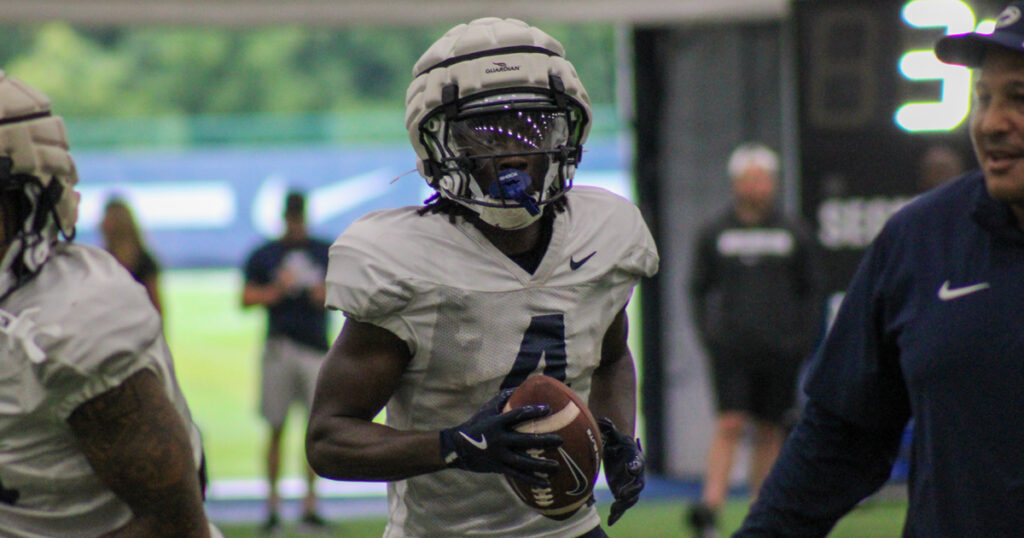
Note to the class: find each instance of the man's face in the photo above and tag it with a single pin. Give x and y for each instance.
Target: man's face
(755, 188)
(997, 125)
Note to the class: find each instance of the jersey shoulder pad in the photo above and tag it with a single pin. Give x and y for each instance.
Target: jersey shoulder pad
(375, 262)
(86, 324)
(603, 220)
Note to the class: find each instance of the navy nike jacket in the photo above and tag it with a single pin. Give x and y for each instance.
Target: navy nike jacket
(932, 327)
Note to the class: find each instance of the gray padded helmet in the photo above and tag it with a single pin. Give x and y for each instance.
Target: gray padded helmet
(479, 79)
(37, 180)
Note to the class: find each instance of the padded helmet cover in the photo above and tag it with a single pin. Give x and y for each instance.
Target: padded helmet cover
(35, 167)
(508, 64)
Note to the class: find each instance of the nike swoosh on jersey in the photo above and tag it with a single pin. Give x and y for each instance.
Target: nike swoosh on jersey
(948, 294)
(574, 265)
(481, 444)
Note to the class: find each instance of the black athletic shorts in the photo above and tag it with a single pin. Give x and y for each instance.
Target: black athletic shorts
(762, 384)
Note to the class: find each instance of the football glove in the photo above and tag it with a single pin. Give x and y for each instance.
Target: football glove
(488, 442)
(624, 466)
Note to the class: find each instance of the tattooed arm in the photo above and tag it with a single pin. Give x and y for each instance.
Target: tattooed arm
(139, 447)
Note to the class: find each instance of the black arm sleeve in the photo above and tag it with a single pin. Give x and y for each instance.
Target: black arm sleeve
(827, 466)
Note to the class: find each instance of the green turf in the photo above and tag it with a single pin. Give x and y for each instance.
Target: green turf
(661, 519)
(216, 346)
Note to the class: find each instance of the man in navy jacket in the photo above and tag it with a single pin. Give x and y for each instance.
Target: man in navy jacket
(932, 328)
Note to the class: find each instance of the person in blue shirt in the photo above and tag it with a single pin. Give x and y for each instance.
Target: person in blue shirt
(932, 328)
(286, 276)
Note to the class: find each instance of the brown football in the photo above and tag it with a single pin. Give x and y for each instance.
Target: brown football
(579, 457)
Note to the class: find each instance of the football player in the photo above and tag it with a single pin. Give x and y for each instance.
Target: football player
(95, 436)
(504, 273)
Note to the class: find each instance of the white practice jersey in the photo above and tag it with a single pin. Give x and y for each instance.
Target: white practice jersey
(475, 321)
(78, 329)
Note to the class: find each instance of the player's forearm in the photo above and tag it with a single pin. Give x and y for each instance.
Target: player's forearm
(139, 446)
(342, 448)
(613, 393)
(174, 511)
(613, 384)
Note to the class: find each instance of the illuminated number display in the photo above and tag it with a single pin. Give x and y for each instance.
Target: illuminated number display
(953, 103)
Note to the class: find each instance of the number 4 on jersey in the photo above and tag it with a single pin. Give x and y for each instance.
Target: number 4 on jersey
(544, 340)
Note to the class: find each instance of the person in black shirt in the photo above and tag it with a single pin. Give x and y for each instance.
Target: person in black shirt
(758, 292)
(286, 276)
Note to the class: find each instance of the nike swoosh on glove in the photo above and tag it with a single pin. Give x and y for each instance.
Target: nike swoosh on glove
(488, 442)
(624, 466)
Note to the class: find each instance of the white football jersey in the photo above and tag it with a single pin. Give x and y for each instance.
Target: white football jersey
(79, 328)
(475, 321)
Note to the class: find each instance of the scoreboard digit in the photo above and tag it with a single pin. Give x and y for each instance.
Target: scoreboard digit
(950, 108)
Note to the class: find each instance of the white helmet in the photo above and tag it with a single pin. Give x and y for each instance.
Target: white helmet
(490, 82)
(37, 180)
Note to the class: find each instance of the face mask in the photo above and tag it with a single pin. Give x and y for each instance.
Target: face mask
(507, 218)
(511, 185)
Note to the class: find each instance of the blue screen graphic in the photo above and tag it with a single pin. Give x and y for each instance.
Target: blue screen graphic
(209, 207)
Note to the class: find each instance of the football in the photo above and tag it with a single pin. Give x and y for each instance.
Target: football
(579, 457)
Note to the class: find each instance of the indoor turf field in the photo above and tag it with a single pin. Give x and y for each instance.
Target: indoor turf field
(649, 519)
